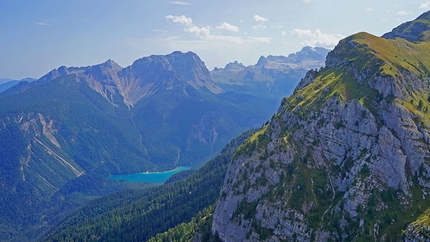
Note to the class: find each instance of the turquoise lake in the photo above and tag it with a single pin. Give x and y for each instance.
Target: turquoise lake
(151, 177)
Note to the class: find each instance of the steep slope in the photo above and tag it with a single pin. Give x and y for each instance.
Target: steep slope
(8, 83)
(179, 110)
(63, 134)
(53, 134)
(347, 155)
(159, 73)
(139, 215)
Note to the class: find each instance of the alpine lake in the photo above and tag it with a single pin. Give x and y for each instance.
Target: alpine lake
(150, 177)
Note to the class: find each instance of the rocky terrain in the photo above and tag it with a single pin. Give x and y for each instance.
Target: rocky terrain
(275, 76)
(65, 133)
(346, 157)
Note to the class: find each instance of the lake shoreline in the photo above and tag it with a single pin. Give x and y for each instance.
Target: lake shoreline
(150, 177)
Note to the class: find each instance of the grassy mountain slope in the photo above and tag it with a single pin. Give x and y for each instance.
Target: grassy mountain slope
(345, 158)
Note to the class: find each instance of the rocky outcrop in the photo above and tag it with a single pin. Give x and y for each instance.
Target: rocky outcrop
(340, 137)
(417, 231)
(309, 77)
(344, 156)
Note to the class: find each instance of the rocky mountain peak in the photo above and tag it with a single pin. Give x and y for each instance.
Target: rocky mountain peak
(177, 70)
(345, 158)
(143, 78)
(261, 61)
(61, 71)
(112, 64)
(234, 66)
(104, 71)
(307, 56)
(308, 53)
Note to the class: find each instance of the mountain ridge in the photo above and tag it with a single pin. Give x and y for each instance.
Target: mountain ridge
(273, 76)
(346, 156)
(75, 126)
(134, 82)
(414, 31)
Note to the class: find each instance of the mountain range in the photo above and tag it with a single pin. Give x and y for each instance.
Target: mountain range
(276, 76)
(65, 133)
(345, 158)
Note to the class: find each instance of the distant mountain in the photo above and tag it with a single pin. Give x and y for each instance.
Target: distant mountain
(8, 83)
(272, 76)
(66, 132)
(346, 157)
(154, 86)
(4, 80)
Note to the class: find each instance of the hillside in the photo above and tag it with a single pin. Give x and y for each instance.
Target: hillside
(65, 133)
(346, 157)
(139, 215)
(8, 83)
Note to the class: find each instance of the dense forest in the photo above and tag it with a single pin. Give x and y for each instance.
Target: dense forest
(138, 215)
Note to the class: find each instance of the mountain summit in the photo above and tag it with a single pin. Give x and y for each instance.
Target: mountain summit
(155, 73)
(347, 156)
(143, 78)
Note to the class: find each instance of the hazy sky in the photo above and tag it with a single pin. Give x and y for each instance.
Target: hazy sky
(38, 36)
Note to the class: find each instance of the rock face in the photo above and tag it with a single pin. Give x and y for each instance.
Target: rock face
(175, 71)
(143, 78)
(274, 75)
(345, 158)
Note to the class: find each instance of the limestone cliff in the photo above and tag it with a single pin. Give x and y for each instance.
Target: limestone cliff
(143, 78)
(347, 156)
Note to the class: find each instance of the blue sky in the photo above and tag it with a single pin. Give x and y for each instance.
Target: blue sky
(38, 36)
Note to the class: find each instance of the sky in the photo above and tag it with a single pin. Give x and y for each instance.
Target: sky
(41, 35)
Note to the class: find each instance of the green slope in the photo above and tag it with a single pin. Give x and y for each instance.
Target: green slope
(51, 135)
(346, 157)
(189, 130)
(139, 215)
(62, 137)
